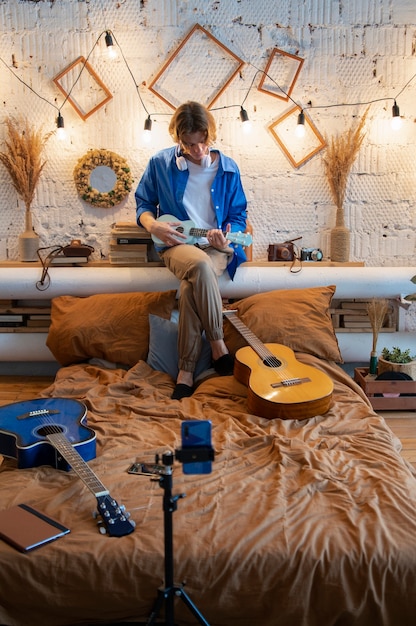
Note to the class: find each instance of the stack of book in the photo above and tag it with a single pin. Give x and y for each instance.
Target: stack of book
(130, 245)
(19, 315)
(349, 316)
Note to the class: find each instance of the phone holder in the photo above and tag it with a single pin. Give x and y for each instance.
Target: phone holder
(197, 454)
(167, 594)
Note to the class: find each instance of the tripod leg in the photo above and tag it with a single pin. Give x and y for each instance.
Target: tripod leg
(161, 596)
(179, 591)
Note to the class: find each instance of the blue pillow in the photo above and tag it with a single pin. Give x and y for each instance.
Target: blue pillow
(163, 348)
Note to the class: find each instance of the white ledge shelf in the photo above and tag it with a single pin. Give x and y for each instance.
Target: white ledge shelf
(18, 282)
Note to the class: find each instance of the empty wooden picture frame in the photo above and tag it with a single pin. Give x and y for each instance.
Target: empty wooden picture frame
(200, 69)
(82, 87)
(297, 149)
(281, 73)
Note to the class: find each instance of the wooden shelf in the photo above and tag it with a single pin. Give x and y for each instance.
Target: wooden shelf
(350, 316)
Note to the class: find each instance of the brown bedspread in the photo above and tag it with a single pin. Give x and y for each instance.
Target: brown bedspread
(309, 522)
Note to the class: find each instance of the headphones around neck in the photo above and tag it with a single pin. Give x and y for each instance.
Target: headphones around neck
(182, 163)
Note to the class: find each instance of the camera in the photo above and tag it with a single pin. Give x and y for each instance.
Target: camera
(311, 254)
(281, 251)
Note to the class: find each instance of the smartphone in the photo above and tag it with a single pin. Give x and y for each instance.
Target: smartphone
(197, 434)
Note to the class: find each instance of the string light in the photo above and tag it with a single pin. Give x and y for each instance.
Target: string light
(300, 126)
(147, 131)
(60, 132)
(110, 39)
(245, 121)
(112, 53)
(396, 120)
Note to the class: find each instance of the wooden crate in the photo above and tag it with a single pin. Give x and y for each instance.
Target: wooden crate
(393, 402)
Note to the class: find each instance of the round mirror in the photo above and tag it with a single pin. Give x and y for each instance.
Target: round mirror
(103, 178)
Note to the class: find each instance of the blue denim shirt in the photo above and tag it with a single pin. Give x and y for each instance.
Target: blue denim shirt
(162, 187)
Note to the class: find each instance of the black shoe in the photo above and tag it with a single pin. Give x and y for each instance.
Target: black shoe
(224, 366)
(181, 391)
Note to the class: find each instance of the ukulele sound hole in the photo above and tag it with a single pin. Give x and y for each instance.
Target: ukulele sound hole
(49, 429)
(272, 361)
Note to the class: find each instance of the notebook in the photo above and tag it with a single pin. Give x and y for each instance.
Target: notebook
(25, 528)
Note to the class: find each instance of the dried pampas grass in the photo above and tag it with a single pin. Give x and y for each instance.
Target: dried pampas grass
(341, 153)
(23, 157)
(377, 310)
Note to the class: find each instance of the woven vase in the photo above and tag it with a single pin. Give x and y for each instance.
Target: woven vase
(340, 239)
(28, 241)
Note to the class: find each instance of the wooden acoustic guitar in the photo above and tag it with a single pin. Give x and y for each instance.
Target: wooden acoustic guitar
(52, 431)
(279, 386)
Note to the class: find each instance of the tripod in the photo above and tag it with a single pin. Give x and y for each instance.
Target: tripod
(167, 594)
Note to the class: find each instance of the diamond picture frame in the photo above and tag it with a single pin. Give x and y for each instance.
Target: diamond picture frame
(198, 49)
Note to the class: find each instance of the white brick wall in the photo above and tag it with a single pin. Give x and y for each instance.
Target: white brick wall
(354, 52)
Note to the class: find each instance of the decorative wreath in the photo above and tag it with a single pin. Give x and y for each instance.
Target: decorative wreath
(88, 163)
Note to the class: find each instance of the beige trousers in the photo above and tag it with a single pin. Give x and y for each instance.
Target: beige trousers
(200, 302)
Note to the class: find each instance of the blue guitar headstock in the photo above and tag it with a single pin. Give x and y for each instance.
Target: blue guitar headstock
(114, 518)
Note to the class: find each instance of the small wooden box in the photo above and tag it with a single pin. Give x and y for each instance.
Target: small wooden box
(394, 402)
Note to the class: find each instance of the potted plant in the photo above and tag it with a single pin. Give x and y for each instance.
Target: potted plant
(23, 160)
(397, 360)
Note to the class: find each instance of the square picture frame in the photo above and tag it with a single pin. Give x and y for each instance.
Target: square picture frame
(82, 87)
(198, 48)
(297, 150)
(281, 73)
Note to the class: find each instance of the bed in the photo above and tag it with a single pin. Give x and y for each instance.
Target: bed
(301, 521)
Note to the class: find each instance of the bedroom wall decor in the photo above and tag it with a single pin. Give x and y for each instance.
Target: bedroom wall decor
(281, 73)
(199, 47)
(297, 150)
(102, 178)
(340, 155)
(24, 161)
(343, 61)
(83, 89)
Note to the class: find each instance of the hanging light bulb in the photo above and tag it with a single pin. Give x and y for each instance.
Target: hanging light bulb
(245, 121)
(61, 132)
(147, 131)
(396, 120)
(300, 127)
(112, 54)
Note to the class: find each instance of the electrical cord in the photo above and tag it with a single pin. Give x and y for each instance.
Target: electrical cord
(46, 261)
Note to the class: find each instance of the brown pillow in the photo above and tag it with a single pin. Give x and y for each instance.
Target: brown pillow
(114, 327)
(297, 318)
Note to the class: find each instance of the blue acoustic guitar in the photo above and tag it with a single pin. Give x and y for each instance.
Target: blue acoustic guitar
(52, 431)
(188, 228)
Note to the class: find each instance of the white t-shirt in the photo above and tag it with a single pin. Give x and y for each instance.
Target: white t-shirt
(197, 198)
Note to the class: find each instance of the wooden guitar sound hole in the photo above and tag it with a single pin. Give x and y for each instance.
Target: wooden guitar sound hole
(272, 361)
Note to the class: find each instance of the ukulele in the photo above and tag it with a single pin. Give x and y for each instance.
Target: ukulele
(279, 386)
(51, 431)
(188, 228)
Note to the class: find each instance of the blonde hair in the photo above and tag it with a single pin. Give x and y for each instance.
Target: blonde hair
(192, 117)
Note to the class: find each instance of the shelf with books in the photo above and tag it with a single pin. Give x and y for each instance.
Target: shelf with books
(351, 316)
(20, 316)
